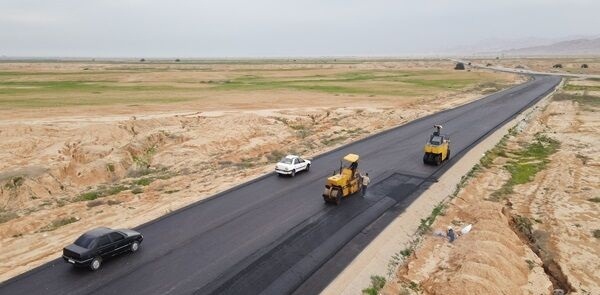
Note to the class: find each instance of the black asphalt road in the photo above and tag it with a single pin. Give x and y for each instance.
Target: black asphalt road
(271, 235)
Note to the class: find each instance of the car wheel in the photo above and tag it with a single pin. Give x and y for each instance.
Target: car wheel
(448, 155)
(96, 262)
(307, 167)
(293, 173)
(135, 246)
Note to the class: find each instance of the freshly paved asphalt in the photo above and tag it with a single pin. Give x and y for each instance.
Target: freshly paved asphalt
(271, 235)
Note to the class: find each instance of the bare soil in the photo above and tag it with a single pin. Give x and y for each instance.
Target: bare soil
(540, 237)
(569, 65)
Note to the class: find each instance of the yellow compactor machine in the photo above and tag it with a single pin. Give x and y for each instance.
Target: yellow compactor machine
(437, 148)
(344, 183)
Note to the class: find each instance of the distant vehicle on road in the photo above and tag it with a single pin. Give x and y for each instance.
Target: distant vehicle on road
(292, 164)
(91, 248)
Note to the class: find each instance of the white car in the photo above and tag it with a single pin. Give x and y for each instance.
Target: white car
(291, 164)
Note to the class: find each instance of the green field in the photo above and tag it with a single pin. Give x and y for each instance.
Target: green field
(394, 83)
(41, 85)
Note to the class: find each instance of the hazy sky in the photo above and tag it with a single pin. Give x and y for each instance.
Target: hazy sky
(260, 28)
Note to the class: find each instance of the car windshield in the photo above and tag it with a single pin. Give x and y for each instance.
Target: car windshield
(286, 161)
(436, 140)
(84, 241)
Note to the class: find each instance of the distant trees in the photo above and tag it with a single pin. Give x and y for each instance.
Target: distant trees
(557, 66)
(584, 66)
(177, 60)
(142, 60)
(459, 66)
(488, 65)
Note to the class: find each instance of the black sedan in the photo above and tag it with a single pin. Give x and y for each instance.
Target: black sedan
(101, 243)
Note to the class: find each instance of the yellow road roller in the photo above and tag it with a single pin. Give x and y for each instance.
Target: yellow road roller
(437, 148)
(345, 182)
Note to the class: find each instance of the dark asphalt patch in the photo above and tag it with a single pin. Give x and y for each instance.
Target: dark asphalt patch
(287, 265)
(397, 186)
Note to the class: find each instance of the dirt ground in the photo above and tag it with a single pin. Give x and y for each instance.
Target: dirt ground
(69, 168)
(569, 65)
(534, 236)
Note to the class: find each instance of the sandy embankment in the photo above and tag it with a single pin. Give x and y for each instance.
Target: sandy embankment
(540, 238)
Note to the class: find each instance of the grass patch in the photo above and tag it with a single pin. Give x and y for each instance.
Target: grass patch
(115, 190)
(100, 193)
(498, 151)
(333, 140)
(414, 286)
(143, 181)
(583, 99)
(143, 160)
(377, 283)
(406, 252)
(523, 225)
(14, 182)
(27, 91)
(275, 156)
(7, 215)
(463, 180)
(355, 132)
(394, 262)
(526, 163)
(596, 233)
(89, 196)
(571, 87)
(105, 85)
(372, 83)
(137, 190)
(302, 130)
(594, 199)
(58, 223)
(426, 223)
